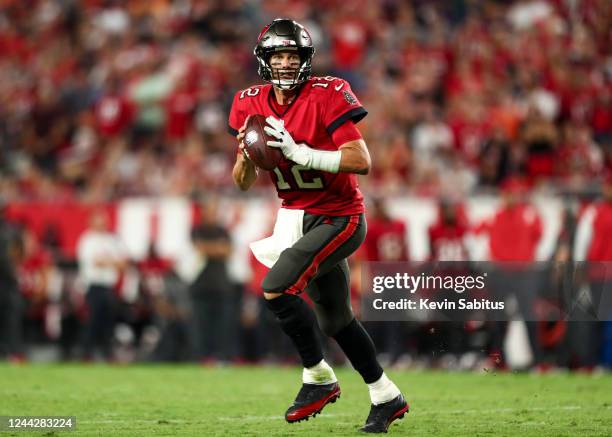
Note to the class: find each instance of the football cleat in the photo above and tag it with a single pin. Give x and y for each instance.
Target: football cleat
(310, 401)
(381, 416)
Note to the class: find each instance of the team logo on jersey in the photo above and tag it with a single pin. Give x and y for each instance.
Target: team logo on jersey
(350, 99)
(251, 137)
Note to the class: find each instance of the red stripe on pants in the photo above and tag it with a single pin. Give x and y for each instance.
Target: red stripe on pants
(312, 269)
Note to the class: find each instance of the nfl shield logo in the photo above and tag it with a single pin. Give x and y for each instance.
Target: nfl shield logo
(251, 137)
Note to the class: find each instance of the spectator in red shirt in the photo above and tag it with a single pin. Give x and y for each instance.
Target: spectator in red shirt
(349, 41)
(386, 237)
(516, 228)
(448, 254)
(113, 110)
(446, 236)
(386, 241)
(580, 160)
(180, 108)
(514, 233)
(34, 276)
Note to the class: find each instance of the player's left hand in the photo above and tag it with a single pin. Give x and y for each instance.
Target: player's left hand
(297, 153)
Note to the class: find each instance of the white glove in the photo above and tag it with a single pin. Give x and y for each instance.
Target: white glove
(301, 153)
(298, 153)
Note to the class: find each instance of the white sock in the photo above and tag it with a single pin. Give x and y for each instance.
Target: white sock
(383, 390)
(319, 374)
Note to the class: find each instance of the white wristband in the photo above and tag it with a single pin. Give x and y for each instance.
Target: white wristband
(324, 160)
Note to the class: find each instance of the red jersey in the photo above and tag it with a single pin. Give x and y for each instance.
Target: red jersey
(447, 242)
(321, 106)
(32, 275)
(349, 42)
(113, 115)
(514, 233)
(180, 107)
(386, 241)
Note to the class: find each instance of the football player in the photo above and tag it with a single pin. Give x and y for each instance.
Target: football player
(312, 121)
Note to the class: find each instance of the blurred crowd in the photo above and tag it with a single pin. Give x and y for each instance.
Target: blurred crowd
(106, 304)
(103, 98)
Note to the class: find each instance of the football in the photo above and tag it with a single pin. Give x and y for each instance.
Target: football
(255, 139)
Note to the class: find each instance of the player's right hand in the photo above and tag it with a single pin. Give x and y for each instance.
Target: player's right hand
(240, 137)
(298, 153)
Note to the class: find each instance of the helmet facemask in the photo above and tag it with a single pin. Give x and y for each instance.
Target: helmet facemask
(300, 71)
(284, 35)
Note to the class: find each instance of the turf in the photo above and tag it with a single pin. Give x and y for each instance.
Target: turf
(250, 401)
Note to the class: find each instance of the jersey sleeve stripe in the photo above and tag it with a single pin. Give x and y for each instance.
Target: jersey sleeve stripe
(355, 114)
(233, 132)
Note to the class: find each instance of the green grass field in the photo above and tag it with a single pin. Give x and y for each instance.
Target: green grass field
(250, 401)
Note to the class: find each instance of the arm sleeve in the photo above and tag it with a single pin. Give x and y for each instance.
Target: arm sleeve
(342, 106)
(345, 133)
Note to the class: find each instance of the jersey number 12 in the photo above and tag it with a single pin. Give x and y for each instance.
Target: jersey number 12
(296, 172)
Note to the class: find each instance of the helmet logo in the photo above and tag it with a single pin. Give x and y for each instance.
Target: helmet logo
(251, 137)
(288, 42)
(264, 30)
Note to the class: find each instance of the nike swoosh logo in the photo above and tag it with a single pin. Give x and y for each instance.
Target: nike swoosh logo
(338, 87)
